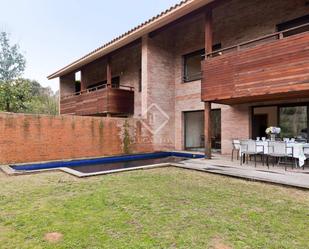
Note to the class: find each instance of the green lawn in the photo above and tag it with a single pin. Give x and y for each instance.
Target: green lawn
(159, 208)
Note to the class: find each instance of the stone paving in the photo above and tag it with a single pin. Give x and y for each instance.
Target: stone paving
(224, 166)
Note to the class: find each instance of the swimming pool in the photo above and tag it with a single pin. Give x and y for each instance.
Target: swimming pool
(107, 164)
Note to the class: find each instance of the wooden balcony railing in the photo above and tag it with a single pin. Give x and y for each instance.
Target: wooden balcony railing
(103, 86)
(263, 39)
(277, 68)
(99, 100)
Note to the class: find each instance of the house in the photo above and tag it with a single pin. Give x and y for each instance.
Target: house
(217, 69)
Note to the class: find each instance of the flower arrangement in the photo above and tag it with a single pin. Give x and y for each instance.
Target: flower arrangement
(273, 130)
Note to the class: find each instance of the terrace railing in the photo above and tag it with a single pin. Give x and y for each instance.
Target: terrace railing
(277, 35)
(102, 99)
(268, 68)
(100, 87)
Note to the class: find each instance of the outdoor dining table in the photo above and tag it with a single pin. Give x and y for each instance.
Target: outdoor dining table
(298, 149)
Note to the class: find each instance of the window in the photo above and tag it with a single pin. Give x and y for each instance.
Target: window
(294, 120)
(194, 129)
(294, 23)
(192, 64)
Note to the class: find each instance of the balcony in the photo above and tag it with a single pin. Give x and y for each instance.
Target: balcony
(100, 100)
(272, 67)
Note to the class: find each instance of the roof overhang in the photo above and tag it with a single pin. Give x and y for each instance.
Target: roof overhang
(170, 15)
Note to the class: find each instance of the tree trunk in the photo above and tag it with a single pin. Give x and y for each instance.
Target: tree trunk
(7, 107)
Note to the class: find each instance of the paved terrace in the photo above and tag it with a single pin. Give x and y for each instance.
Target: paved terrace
(224, 166)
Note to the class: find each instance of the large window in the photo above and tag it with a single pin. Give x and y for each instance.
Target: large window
(192, 66)
(216, 129)
(293, 121)
(194, 129)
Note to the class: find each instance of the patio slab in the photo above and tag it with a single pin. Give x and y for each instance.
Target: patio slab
(224, 166)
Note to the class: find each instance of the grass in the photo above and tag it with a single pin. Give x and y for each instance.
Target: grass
(159, 208)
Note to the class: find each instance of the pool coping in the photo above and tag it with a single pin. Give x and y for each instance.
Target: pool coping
(7, 169)
(30, 167)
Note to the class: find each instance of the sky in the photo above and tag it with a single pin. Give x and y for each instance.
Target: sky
(53, 33)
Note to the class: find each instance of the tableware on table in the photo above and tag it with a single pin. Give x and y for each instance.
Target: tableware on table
(258, 138)
(263, 139)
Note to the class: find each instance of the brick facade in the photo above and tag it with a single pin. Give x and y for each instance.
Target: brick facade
(160, 88)
(31, 138)
(238, 21)
(229, 29)
(160, 59)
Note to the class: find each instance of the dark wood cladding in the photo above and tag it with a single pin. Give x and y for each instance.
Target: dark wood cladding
(271, 71)
(103, 101)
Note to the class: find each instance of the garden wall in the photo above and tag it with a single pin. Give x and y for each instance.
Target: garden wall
(32, 138)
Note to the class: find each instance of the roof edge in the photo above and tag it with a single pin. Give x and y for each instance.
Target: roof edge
(162, 19)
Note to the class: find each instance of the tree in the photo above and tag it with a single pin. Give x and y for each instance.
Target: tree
(18, 94)
(15, 95)
(43, 100)
(12, 62)
(28, 96)
(13, 92)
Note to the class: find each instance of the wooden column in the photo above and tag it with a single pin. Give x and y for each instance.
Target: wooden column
(207, 112)
(208, 31)
(109, 72)
(207, 129)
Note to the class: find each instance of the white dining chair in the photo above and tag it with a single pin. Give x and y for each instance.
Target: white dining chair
(236, 148)
(278, 150)
(250, 148)
(306, 153)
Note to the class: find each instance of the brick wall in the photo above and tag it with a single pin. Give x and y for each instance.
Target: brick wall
(127, 64)
(189, 37)
(238, 21)
(235, 124)
(158, 93)
(31, 138)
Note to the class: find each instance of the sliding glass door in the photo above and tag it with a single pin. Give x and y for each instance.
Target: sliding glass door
(293, 121)
(194, 130)
(291, 118)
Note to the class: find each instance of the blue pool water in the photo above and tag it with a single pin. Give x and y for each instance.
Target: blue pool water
(111, 163)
